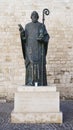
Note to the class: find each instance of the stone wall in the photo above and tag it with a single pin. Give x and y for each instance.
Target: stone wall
(60, 50)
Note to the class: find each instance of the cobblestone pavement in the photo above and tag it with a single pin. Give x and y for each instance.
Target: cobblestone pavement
(66, 108)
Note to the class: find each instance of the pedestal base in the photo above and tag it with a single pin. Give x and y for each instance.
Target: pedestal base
(36, 117)
(36, 105)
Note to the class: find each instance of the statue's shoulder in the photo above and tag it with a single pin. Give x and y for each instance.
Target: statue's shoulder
(28, 24)
(41, 25)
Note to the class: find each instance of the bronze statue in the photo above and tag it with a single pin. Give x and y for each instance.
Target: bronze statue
(34, 40)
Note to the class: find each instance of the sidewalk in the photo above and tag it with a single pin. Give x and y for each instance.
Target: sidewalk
(66, 108)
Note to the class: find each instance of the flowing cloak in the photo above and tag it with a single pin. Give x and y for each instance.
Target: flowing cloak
(32, 52)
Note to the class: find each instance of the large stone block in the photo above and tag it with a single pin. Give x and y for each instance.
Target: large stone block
(36, 105)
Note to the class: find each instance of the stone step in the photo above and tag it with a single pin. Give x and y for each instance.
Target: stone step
(36, 117)
(38, 88)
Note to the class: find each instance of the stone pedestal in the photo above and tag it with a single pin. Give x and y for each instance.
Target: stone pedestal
(36, 105)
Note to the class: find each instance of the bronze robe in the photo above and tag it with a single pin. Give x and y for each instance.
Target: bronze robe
(32, 52)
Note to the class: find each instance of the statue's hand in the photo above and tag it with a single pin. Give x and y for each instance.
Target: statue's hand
(20, 28)
(40, 39)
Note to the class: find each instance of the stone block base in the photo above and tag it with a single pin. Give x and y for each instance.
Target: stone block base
(36, 117)
(36, 105)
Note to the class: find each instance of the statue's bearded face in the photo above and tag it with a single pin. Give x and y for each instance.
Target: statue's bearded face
(34, 17)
